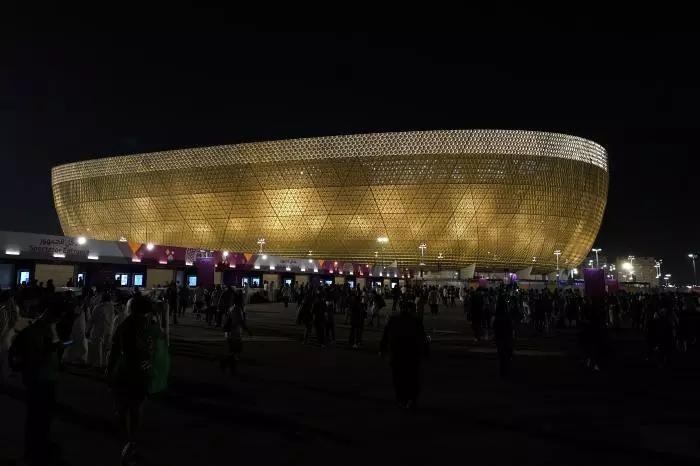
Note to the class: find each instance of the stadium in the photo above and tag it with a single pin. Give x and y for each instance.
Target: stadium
(495, 199)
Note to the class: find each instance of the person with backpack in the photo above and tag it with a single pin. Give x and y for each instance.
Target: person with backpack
(138, 366)
(224, 304)
(433, 301)
(286, 295)
(406, 342)
(34, 353)
(377, 304)
(234, 324)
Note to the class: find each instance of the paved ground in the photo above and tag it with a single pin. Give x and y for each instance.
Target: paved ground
(294, 404)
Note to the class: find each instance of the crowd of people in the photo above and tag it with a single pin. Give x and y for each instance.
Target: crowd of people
(43, 331)
(123, 334)
(670, 321)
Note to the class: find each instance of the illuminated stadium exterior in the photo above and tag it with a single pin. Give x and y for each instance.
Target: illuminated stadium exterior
(495, 198)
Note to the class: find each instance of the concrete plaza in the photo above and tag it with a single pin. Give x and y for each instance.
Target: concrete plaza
(293, 404)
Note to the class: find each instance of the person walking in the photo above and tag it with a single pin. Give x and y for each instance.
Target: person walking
(34, 353)
(305, 316)
(433, 300)
(8, 319)
(171, 298)
(183, 299)
(234, 324)
(476, 314)
(199, 302)
(406, 342)
(77, 351)
(396, 298)
(421, 300)
(503, 335)
(99, 332)
(466, 303)
(213, 305)
(319, 312)
(434, 303)
(357, 320)
(224, 304)
(286, 295)
(129, 370)
(330, 325)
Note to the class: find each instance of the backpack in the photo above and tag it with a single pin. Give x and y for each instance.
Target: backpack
(156, 377)
(21, 356)
(380, 301)
(160, 366)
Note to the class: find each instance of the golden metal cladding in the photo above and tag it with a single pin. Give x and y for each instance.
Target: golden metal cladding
(497, 198)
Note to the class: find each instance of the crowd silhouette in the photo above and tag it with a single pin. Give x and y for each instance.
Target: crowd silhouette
(122, 333)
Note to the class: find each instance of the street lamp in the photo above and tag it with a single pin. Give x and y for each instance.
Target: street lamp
(422, 246)
(667, 277)
(383, 240)
(557, 253)
(694, 256)
(657, 266)
(596, 251)
(261, 243)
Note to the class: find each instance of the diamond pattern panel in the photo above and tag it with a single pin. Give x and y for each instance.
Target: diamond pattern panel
(494, 197)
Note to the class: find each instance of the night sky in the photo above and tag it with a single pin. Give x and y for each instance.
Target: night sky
(75, 94)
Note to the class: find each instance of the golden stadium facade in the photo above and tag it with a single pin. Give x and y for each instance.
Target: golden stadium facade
(496, 198)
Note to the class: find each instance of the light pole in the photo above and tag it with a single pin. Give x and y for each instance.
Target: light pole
(557, 253)
(440, 256)
(422, 246)
(667, 277)
(383, 240)
(694, 256)
(261, 243)
(632, 276)
(596, 251)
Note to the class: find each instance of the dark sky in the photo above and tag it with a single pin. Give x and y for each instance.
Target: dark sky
(74, 94)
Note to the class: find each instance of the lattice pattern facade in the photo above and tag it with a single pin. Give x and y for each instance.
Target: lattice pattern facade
(495, 198)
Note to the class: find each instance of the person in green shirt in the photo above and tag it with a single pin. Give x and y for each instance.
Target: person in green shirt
(34, 353)
(130, 365)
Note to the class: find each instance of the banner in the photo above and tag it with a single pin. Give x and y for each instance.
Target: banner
(594, 282)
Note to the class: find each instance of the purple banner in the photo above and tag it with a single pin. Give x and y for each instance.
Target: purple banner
(594, 280)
